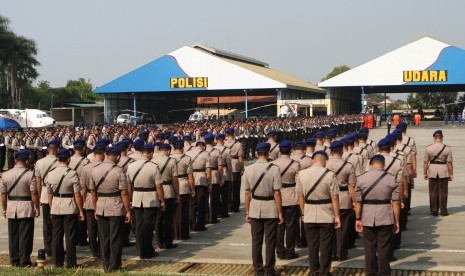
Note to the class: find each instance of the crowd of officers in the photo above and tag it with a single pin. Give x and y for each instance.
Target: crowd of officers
(95, 186)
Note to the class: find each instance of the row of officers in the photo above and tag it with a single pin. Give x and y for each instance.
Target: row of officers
(326, 195)
(167, 187)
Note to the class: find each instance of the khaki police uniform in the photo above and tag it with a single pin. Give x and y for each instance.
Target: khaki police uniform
(77, 163)
(41, 170)
(304, 160)
(318, 214)
(410, 142)
(91, 141)
(169, 175)
(29, 144)
(438, 176)
(20, 213)
(356, 160)
(324, 148)
(181, 220)
(67, 141)
(10, 151)
(235, 151)
(263, 212)
(377, 218)
(227, 180)
(40, 145)
(200, 161)
(274, 150)
(345, 175)
(216, 165)
(145, 175)
(62, 183)
(290, 205)
(110, 212)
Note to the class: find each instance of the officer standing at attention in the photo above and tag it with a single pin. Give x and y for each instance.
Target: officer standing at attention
(237, 163)
(42, 169)
(227, 175)
(146, 186)
(10, 151)
(92, 140)
(169, 176)
(299, 155)
(40, 145)
(262, 184)
(77, 163)
(438, 170)
(217, 166)
(20, 203)
(89, 207)
(68, 139)
(345, 175)
(290, 205)
(112, 208)
(377, 211)
(2, 151)
(274, 150)
(65, 201)
(318, 192)
(186, 191)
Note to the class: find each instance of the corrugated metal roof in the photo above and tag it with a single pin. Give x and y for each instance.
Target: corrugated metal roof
(84, 105)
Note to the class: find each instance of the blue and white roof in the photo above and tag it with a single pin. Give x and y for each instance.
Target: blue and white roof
(423, 62)
(203, 68)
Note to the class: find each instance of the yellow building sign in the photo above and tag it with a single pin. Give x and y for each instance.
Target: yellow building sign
(184, 83)
(425, 76)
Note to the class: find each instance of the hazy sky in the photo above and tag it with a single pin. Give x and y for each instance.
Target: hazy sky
(100, 40)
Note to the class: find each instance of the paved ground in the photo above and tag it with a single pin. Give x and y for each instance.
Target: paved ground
(431, 243)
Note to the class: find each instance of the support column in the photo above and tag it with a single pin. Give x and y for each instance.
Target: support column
(246, 105)
(363, 99)
(105, 109)
(134, 106)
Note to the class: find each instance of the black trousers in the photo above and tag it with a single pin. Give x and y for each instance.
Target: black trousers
(320, 238)
(165, 223)
(377, 242)
(263, 228)
(287, 229)
(2, 158)
(20, 241)
(343, 234)
(224, 199)
(64, 226)
(110, 233)
(199, 208)
(92, 232)
(146, 219)
(438, 191)
(11, 158)
(82, 232)
(236, 192)
(214, 203)
(47, 228)
(300, 237)
(181, 218)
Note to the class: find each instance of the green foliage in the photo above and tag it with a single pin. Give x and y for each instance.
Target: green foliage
(336, 71)
(433, 100)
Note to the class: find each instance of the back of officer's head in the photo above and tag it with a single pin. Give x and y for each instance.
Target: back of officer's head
(285, 147)
(178, 145)
(263, 150)
(320, 157)
(337, 147)
(377, 161)
(22, 156)
(64, 155)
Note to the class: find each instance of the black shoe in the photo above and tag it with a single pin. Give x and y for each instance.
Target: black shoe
(444, 215)
(292, 256)
(224, 216)
(128, 244)
(170, 246)
(281, 256)
(393, 259)
(343, 258)
(434, 214)
(302, 245)
(150, 256)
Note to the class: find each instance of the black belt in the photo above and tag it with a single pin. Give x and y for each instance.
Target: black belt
(319, 201)
(115, 194)
(145, 189)
(288, 185)
(214, 169)
(376, 202)
(344, 188)
(20, 198)
(63, 195)
(198, 170)
(438, 163)
(168, 182)
(267, 198)
(183, 175)
(235, 157)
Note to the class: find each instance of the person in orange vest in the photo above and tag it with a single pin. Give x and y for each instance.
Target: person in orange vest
(370, 121)
(396, 119)
(417, 119)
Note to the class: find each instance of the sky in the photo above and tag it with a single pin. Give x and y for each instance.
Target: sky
(101, 40)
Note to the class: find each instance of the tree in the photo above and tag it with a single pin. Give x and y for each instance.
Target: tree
(336, 71)
(431, 99)
(17, 64)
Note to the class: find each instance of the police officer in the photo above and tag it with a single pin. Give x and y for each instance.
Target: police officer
(89, 207)
(345, 175)
(138, 144)
(2, 151)
(320, 146)
(227, 175)
(200, 160)
(377, 212)
(92, 140)
(262, 184)
(20, 203)
(318, 191)
(65, 201)
(188, 143)
(146, 184)
(40, 145)
(299, 155)
(237, 162)
(112, 209)
(217, 166)
(10, 151)
(19, 142)
(41, 170)
(274, 150)
(186, 190)
(290, 206)
(438, 170)
(77, 163)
